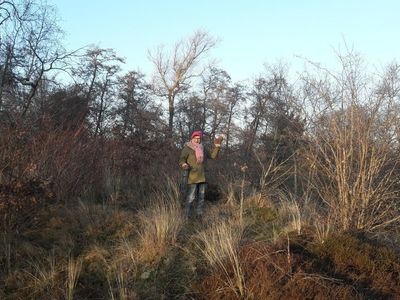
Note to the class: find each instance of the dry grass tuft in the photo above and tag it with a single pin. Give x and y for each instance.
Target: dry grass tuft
(219, 247)
(291, 213)
(118, 283)
(43, 278)
(73, 271)
(160, 225)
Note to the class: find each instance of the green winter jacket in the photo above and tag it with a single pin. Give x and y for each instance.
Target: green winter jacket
(197, 170)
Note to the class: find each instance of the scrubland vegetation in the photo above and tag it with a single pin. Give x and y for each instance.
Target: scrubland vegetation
(303, 202)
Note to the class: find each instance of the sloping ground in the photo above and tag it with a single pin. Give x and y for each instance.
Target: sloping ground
(42, 237)
(347, 266)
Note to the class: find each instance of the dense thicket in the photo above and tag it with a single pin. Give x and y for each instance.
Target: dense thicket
(77, 119)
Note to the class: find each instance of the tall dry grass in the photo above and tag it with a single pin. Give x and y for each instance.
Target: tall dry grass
(291, 212)
(160, 225)
(135, 257)
(219, 247)
(43, 277)
(120, 283)
(73, 271)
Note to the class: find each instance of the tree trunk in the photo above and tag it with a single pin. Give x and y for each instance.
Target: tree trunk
(253, 135)
(228, 130)
(171, 110)
(32, 93)
(4, 75)
(101, 110)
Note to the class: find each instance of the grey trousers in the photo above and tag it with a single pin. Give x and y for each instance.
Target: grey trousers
(196, 190)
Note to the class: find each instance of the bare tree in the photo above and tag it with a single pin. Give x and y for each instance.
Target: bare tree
(212, 108)
(268, 91)
(190, 114)
(98, 72)
(235, 98)
(175, 71)
(216, 87)
(30, 47)
(136, 114)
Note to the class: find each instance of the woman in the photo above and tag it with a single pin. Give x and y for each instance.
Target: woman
(193, 158)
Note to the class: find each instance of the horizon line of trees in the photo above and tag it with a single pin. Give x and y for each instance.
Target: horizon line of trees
(182, 95)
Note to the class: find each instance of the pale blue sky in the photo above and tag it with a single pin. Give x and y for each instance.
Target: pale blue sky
(251, 32)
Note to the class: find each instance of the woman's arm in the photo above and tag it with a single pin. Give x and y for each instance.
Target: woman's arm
(214, 152)
(183, 158)
(217, 146)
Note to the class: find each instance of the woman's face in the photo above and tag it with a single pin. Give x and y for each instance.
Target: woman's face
(196, 140)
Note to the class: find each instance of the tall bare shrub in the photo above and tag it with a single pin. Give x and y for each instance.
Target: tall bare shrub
(351, 154)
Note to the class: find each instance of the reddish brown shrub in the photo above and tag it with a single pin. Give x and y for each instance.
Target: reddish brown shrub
(20, 199)
(362, 261)
(271, 273)
(69, 158)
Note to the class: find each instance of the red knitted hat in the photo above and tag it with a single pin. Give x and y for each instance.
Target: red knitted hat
(197, 133)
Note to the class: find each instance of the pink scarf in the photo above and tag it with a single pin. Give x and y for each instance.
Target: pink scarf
(198, 150)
